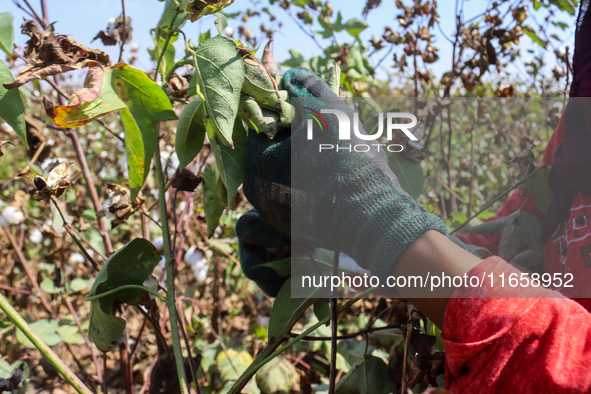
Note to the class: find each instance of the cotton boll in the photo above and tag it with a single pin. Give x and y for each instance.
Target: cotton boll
(198, 263)
(229, 32)
(158, 243)
(11, 216)
(35, 236)
(76, 258)
(5, 126)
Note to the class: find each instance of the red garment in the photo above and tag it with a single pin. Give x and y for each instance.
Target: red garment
(537, 345)
(532, 345)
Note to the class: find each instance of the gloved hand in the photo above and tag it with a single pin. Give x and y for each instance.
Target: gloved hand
(259, 244)
(350, 202)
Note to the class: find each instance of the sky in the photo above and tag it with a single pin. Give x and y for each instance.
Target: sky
(82, 19)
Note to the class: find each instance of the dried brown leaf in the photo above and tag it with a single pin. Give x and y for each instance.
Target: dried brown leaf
(55, 185)
(185, 181)
(119, 204)
(114, 32)
(49, 54)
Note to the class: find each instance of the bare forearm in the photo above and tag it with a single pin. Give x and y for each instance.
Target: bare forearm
(433, 253)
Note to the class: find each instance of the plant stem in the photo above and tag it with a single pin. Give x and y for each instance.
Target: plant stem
(334, 333)
(124, 36)
(76, 241)
(45, 350)
(176, 340)
(44, 12)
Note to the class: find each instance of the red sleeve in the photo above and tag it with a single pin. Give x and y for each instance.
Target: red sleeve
(532, 345)
(516, 200)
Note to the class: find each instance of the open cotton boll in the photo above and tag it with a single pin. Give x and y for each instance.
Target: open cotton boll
(198, 263)
(158, 243)
(11, 216)
(35, 236)
(76, 258)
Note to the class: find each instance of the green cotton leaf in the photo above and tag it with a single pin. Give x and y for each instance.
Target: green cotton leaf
(148, 105)
(170, 9)
(563, 26)
(204, 36)
(296, 60)
(566, 5)
(386, 338)
(190, 132)
(221, 23)
(130, 265)
(541, 191)
(49, 286)
(70, 334)
(527, 261)
(229, 161)
(369, 377)
(137, 167)
(355, 26)
(76, 285)
(212, 204)
(232, 363)
(321, 309)
(409, 174)
(286, 311)
(355, 351)
(220, 72)
(12, 110)
(104, 329)
(222, 192)
(494, 226)
(6, 32)
(278, 376)
(510, 242)
(326, 31)
(475, 250)
(529, 232)
(281, 267)
(528, 31)
(45, 329)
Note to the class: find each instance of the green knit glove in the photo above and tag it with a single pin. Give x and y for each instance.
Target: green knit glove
(262, 250)
(350, 202)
